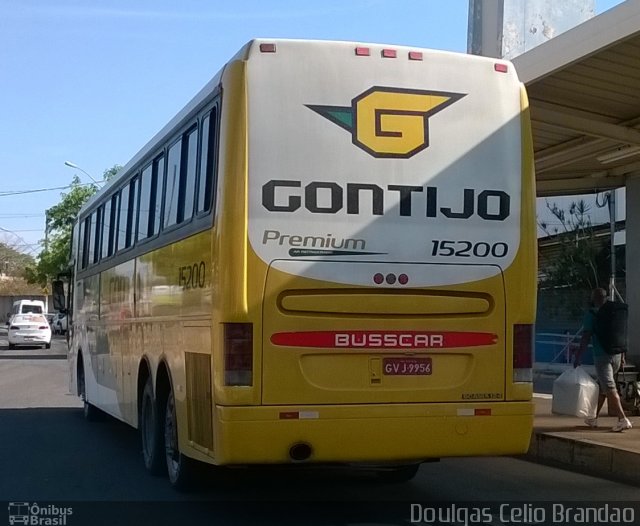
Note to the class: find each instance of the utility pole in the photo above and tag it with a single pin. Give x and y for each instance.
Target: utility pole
(46, 230)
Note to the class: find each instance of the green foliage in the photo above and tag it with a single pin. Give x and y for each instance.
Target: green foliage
(54, 259)
(579, 262)
(12, 265)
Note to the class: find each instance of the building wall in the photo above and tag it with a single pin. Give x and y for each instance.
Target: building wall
(561, 310)
(6, 303)
(508, 28)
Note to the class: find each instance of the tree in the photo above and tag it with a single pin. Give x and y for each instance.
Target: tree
(54, 259)
(12, 264)
(581, 261)
(12, 261)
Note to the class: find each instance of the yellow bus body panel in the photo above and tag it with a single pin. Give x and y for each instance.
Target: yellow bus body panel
(371, 433)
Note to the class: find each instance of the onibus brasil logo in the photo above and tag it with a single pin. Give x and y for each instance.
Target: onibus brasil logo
(33, 514)
(389, 122)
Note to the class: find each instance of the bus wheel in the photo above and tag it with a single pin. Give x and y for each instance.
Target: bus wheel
(151, 432)
(90, 412)
(398, 474)
(182, 470)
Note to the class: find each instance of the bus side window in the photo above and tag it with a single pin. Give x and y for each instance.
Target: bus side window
(95, 237)
(133, 210)
(124, 217)
(156, 191)
(207, 161)
(99, 215)
(86, 243)
(188, 178)
(106, 226)
(173, 185)
(145, 219)
(128, 211)
(82, 244)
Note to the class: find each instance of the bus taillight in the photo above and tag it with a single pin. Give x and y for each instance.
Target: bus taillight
(522, 353)
(267, 47)
(238, 354)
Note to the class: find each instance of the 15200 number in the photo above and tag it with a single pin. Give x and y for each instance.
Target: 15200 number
(466, 249)
(192, 276)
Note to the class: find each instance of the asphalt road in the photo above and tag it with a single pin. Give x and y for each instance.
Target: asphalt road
(51, 456)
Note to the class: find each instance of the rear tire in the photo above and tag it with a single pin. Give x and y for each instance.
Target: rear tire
(12, 346)
(47, 345)
(398, 474)
(90, 412)
(183, 471)
(151, 433)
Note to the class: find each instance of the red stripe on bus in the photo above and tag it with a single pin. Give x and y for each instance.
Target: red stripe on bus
(383, 339)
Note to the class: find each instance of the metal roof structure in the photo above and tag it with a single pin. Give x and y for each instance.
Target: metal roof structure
(584, 93)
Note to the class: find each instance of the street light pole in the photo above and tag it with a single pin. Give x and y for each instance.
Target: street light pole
(613, 291)
(76, 167)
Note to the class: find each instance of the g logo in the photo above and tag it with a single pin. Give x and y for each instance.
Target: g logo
(389, 122)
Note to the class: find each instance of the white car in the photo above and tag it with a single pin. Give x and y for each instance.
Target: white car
(29, 329)
(59, 324)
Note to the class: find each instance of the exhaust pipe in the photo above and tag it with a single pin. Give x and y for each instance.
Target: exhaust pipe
(300, 452)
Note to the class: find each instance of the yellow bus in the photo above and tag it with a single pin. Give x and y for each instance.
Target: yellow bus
(328, 256)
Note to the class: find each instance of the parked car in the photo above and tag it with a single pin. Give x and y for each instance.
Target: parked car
(59, 325)
(29, 329)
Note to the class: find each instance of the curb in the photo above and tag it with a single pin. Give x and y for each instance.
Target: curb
(30, 355)
(589, 458)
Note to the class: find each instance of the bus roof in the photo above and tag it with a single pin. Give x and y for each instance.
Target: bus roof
(244, 53)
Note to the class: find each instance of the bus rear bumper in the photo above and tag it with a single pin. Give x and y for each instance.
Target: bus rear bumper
(371, 433)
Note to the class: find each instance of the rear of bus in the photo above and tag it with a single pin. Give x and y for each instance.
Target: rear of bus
(381, 304)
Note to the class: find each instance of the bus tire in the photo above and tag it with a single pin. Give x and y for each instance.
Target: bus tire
(90, 412)
(398, 474)
(151, 433)
(183, 471)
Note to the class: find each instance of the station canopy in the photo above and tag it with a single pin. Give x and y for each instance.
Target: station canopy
(584, 93)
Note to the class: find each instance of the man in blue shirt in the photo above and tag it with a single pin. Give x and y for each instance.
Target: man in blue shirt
(607, 365)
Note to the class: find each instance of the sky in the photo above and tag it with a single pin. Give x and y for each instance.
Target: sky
(92, 82)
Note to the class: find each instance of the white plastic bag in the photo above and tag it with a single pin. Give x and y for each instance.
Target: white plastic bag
(575, 393)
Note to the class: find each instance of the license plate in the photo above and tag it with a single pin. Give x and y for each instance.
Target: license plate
(406, 366)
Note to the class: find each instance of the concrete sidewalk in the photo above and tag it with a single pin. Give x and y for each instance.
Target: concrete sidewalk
(567, 442)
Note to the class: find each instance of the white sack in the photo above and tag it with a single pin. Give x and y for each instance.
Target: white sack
(575, 393)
